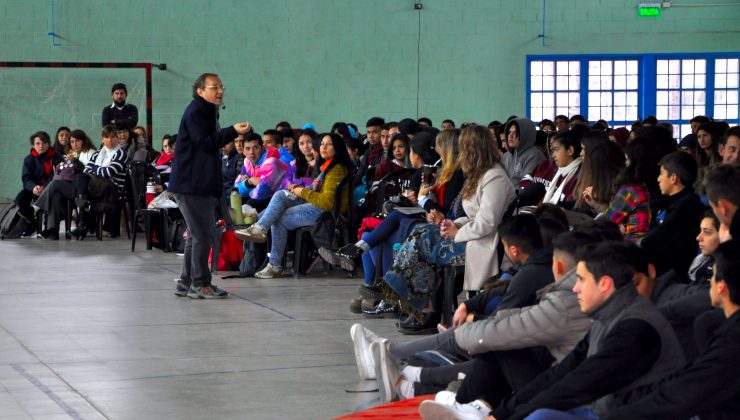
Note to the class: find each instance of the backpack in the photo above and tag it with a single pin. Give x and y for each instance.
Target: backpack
(12, 224)
(176, 239)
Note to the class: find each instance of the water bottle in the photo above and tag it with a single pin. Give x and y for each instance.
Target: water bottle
(151, 191)
(236, 208)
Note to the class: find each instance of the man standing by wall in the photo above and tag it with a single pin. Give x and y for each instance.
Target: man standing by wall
(119, 111)
(196, 181)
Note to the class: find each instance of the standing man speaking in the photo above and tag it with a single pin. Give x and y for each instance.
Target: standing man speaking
(196, 181)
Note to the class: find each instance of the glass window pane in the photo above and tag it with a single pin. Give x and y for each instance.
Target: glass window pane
(632, 82)
(594, 99)
(687, 97)
(606, 98)
(575, 67)
(574, 99)
(606, 67)
(661, 112)
(632, 98)
(535, 100)
(606, 82)
(700, 66)
(674, 66)
(687, 112)
(720, 81)
(662, 82)
(620, 82)
(720, 65)
(732, 97)
(674, 97)
(619, 113)
(700, 81)
(548, 100)
(593, 67)
(548, 82)
(620, 98)
(562, 67)
(632, 67)
(631, 113)
(688, 67)
(662, 66)
(561, 98)
(732, 80)
(593, 113)
(687, 81)
(574, 82)
(732, 112)
(732, 65)
(700, 97)
(548, 113)
(536, 83)
(536, 114)
(620, 67)
(594, 82)
(535, 68)
(562, 82)
(674, 112)
(720, 97)
(548, 68)
(661, 97)
(674, 81)
(720, 112)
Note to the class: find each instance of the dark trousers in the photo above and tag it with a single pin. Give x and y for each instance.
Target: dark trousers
(82, 182)
(23, 200)
(198, 212)
(496, 374)
(53, 201)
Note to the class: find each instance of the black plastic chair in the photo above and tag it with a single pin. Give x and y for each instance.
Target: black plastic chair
(137, 173)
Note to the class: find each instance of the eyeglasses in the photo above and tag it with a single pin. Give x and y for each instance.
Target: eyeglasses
(217, 87)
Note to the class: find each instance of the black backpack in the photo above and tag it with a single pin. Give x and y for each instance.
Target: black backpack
(12, 224)
(176, 239)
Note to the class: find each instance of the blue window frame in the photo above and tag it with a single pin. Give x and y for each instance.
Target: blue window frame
(621, 88)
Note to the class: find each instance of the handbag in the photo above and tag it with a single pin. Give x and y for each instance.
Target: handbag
(323, 231)
(66, 170)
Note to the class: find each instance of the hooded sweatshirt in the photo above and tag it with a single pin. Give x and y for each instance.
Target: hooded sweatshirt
(522, 160)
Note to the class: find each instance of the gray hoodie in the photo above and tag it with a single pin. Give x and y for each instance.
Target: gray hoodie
(526, 157)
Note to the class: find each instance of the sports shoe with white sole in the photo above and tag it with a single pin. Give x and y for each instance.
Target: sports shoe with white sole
(362, 338)
(386, 372)
(269, 272)
(433, 410)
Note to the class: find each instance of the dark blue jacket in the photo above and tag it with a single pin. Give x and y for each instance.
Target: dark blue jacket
(196, 167)
(33, 173)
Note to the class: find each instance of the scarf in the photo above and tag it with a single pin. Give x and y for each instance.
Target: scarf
(319, 180)
(48, 158)
(105, 156)
(555, 190)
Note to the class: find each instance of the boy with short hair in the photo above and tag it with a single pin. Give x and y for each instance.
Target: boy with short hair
(671, 243)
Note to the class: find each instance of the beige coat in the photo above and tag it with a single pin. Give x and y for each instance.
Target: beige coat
(480, 228)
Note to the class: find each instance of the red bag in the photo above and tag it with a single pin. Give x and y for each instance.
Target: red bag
(230, 255)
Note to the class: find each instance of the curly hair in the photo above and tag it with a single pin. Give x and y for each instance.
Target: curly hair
(478, 154)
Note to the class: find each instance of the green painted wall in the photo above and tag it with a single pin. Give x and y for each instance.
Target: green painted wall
(313, 60)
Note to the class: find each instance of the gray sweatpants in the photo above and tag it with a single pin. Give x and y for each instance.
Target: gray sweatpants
(198, 212)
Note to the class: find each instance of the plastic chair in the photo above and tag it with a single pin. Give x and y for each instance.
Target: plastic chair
(137, 174)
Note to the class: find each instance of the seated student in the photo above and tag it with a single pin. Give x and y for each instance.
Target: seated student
(577, 120)
(556, 322)
(486, 194)
(729, 145)
(368, 162)
(62, 187)
(229, 170)
(630, 206)
(565, 150)
(629, 345)
(61, 141)
(165, 158)
(709, 386)
(302, 169)
(396, 226)
(688, 143)
(142, 140)
(37, 171)
(272, 138)
(395, 157)
(300, 206)
(671, 242)
(522, 156)
(262, 173)
(523, 245)
(724, 198)
(286, 150)
(108, 163)
(601, 165)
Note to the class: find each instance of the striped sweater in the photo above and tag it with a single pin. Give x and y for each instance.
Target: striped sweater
(115, 170)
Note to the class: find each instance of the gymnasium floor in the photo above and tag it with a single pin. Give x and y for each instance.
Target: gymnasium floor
(89, 330)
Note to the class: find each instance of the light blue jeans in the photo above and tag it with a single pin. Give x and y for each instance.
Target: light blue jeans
(282, 215)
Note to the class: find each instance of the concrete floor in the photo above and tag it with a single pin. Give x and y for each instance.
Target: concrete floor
(89, 330)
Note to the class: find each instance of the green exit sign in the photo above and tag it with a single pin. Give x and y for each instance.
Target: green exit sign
(648, 10)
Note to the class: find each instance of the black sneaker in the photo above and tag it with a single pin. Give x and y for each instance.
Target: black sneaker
(381, 310)
(348, 256)
(182, 288)
(206, 292)
(219, 292)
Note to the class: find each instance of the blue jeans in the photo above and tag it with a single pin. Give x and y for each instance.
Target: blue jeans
(370, 259)
(282, 215)
(578, 413)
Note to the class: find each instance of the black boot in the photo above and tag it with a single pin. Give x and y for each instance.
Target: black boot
(80, 232)
(428, 324)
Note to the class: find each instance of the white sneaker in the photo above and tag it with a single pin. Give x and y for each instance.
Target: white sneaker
(445, 397)
(387, 373)
(362, 338)
(269, 272)
(433, 410)
(254, 233)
